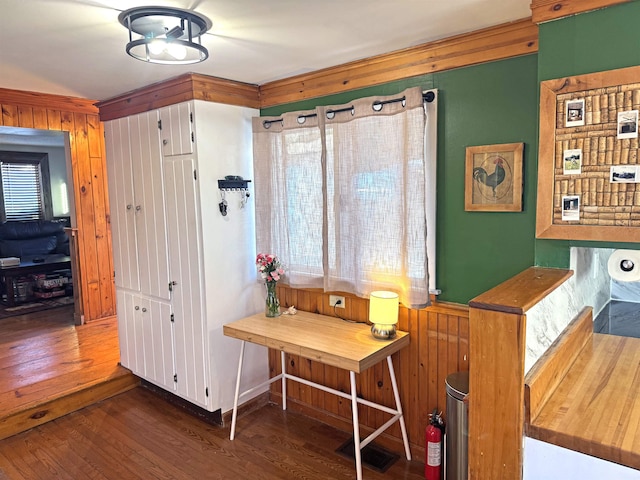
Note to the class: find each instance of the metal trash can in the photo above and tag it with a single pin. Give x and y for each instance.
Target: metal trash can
(457, 432)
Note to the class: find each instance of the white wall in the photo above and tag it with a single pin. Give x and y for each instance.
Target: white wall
(543, 461)
(589, 286)
(232, 287)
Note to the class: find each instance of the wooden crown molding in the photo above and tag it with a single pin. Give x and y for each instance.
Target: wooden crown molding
(48, 101)
(185, 87)
(546, 10)
(486, 45)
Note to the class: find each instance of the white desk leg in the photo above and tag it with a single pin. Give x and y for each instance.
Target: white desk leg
(234, 416)
(284, 381)
(396, 395)
(356, 426)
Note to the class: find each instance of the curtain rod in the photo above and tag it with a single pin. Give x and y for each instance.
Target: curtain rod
(377, 106)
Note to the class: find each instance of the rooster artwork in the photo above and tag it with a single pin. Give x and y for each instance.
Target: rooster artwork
(493, 178)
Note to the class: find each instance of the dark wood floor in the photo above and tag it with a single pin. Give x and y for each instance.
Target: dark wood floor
(48, 368)
(136, 435)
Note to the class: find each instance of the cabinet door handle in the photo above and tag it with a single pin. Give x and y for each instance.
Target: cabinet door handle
(137, 307)
(138, 208)
(129, 207)
(165, 141)
(144, 309)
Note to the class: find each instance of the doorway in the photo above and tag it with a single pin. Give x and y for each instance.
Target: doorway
(36, 205)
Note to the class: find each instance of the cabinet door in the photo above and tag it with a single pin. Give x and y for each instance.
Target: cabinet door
(146, 338)
(122, 203)
(185, 265)
(129, 332)
(149, 207)
(177, 129)
(157, 341)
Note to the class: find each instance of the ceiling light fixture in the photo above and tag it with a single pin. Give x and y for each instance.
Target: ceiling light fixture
(167, 35)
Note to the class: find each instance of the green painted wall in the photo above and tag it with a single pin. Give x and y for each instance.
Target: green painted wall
(605, 39)
(480, 105)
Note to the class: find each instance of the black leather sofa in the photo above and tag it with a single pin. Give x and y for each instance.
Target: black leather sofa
(33, 238)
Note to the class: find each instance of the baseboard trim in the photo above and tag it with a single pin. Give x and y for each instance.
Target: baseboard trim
(212, 418)
(247, 407)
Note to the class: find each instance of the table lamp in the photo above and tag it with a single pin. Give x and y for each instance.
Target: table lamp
(383, 314)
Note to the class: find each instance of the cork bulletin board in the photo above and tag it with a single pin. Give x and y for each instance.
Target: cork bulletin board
(589, 157)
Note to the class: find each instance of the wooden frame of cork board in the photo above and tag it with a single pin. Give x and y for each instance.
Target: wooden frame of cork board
(583, 165)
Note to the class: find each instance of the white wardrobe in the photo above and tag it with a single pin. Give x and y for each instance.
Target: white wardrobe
(182, 270)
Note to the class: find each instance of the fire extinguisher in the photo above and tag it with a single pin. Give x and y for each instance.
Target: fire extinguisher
(433, 461)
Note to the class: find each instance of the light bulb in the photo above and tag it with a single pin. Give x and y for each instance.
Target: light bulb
(177, 51)
(157, 46)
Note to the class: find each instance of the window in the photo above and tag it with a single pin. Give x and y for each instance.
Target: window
(341, 196)
(25, 192)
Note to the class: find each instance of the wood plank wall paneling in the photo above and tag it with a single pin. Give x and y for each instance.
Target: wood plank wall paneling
(79, 118)
(545, 10)
(439, 346)
(486, 45)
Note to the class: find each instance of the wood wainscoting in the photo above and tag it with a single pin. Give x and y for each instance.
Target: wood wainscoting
(439, 346)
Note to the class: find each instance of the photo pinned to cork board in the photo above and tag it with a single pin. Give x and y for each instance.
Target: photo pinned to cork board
(493, 178)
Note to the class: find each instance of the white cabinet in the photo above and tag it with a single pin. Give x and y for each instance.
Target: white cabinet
(135, 177)
(175, 256)
(145, 336)
(139, 237)
(186, 272)
(176, 123)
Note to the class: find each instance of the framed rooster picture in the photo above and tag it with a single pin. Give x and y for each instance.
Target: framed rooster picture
(493, 178)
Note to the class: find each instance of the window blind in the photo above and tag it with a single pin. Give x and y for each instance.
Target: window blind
(22, 191)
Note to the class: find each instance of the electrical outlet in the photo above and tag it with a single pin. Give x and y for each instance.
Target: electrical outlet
(333, 299)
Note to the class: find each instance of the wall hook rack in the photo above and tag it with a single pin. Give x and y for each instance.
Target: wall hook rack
(232, 183)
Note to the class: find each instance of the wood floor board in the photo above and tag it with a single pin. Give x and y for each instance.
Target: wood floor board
(61, 387)
(49, 367)
(137, 435)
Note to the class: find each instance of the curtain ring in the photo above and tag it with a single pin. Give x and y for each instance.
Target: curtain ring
(377, 106)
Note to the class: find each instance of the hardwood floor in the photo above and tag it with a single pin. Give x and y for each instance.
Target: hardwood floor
(137, 435)
(49, 367)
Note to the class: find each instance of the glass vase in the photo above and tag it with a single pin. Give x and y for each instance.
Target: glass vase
(272, 304)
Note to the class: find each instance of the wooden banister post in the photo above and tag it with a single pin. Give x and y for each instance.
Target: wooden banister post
(497, 339)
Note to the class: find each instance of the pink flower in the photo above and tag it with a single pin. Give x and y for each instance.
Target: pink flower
(269, 267)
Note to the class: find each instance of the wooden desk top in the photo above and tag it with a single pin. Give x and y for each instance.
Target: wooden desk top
(325, 339)
(596, 407)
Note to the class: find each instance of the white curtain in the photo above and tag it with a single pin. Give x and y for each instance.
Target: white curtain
(340, 196)
(288, 187)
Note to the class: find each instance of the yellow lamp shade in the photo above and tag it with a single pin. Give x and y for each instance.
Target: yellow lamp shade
(383, 308)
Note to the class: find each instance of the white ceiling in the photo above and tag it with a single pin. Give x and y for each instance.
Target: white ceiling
(77, 47)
